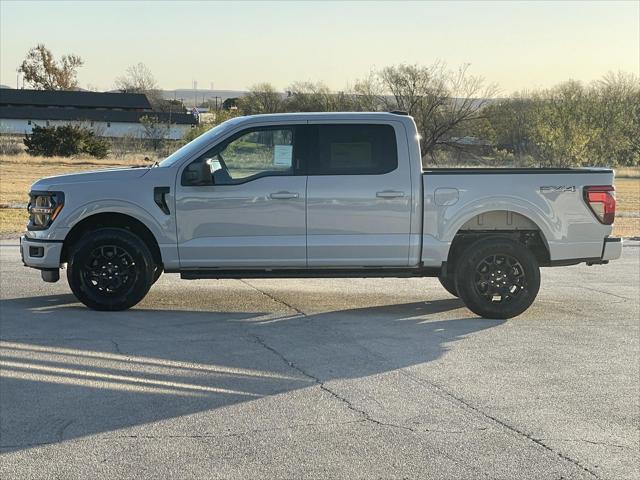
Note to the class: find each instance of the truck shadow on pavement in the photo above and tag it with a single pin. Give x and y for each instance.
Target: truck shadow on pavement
(68, 372)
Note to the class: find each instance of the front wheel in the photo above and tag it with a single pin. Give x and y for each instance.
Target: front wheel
(449, 284)
(110, 269)
(157, 273)
(497, 278)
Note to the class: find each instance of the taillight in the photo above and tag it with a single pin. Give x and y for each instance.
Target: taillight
(602, 201)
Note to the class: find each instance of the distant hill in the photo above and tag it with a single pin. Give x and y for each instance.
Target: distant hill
(189, 96)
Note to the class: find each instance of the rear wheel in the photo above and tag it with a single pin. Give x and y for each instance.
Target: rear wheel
(497, 278)
(110, 269)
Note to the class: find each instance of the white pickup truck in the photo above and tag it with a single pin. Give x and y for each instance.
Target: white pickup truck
(318, 194)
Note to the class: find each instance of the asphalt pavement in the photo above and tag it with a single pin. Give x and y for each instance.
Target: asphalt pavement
(329, 378)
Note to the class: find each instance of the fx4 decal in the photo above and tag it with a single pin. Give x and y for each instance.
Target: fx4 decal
(557, 188)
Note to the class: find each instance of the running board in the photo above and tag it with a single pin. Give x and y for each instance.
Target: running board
(311, 273)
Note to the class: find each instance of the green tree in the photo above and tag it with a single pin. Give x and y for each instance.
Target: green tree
(617, 112)
(230, 103)
(562, 132)
(511, 124)
(573, 124)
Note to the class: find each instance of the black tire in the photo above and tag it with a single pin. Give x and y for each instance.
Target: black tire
(110, 269)
(497, 278)
(157, 273)
(449, 284)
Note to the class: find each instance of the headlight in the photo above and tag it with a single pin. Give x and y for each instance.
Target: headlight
(43, 209)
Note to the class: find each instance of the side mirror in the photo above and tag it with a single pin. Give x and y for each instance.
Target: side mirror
(197, 174)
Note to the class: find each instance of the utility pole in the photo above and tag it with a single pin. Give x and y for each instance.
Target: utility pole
(195, 93)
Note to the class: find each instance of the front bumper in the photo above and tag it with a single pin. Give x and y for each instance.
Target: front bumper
(42, 254)
(612, 248)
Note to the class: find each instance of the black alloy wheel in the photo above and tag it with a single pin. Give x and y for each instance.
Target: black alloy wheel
(497, 277)
(110, 269)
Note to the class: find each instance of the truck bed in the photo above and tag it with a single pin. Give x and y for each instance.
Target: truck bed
(549, 200)
(511, 171)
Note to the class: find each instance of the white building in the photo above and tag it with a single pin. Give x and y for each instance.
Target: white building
(107, 114)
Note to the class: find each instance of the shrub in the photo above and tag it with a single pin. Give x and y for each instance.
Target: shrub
(10, 145)
(503, 157)
(96, 147)
(65, 141)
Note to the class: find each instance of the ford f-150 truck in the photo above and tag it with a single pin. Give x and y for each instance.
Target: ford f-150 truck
(318, 194)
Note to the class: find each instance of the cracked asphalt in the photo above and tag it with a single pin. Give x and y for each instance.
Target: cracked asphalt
(331, 378)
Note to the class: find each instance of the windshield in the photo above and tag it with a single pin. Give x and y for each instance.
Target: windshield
(200, 142)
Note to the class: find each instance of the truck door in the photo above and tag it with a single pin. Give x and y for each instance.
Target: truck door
(253, 215)
(358, 195)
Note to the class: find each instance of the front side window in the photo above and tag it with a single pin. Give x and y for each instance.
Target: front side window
(256, 153)
(354, 150)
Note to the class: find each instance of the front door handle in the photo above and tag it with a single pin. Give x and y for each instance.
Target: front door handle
(389, 194)
(283, 195)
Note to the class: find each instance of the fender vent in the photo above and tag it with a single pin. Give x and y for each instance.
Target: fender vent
(159, 196)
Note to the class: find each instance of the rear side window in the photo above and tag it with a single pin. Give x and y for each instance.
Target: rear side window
(353, 150)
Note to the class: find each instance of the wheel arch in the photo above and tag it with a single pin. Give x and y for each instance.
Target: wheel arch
(115, 220)
(502, 222)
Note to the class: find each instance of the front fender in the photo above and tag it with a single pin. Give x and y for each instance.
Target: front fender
(163, 230)
(118, 206)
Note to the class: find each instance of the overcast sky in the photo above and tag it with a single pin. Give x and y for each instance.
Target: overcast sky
(519, 45)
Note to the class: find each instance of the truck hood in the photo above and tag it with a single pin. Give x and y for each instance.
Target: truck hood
(115, 175)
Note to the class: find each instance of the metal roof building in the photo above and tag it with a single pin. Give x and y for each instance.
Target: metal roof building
(107, 114)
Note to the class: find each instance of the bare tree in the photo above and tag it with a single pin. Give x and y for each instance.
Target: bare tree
(368, 95)
(139, 79)
(155, 131)
(311, 97)
(43, 72)
(262, 98)
(440, 101)
(455, 99)
(418, 90)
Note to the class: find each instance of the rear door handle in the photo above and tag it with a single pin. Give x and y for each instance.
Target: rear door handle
(283, 195)
(389, 194)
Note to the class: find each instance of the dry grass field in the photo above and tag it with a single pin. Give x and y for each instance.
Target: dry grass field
(18, 172)
(627, 222)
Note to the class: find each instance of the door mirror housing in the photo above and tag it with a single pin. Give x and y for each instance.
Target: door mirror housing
(197, 173)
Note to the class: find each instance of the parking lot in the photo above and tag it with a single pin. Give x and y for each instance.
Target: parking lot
(340, 378)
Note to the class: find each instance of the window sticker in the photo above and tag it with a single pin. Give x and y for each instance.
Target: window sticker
(283, 155)
(351, 155)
